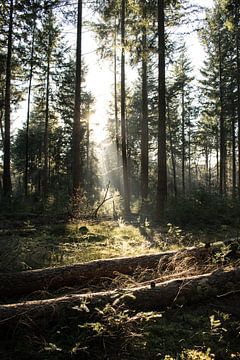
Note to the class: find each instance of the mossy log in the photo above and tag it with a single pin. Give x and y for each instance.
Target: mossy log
(172, 293)
(26, 282)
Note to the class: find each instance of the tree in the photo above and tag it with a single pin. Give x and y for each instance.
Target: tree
(144, 118)
(182, 88)
(7, 186)
(77, 136)
(232, 8)
(162, 163)
(123, 115)
(29, 104)
(50, 51)
(220, 73)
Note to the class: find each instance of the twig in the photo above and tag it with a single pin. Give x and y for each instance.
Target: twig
(232, 292)
(94, 213)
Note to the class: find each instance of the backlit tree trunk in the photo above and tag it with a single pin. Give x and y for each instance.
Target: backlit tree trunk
(116, 108)
(233, 152)
(123, 115)
(238, 87)
(77, 130)
(183, 141)
(144, 122)
(28, 109)
(162, 165)
(7, 185)
(222, 124)
(46, 127)
(1, 118)
(189, 161)
(172, 152)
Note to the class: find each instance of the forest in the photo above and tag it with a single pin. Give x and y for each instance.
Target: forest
(119, 179)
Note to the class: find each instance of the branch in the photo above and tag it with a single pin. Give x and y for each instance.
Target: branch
(95, 212)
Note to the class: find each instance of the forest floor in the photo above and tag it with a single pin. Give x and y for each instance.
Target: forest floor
(207, 330)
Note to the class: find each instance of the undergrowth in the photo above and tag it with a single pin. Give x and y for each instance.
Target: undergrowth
(208, 331)
(35, 246)
(204, 332)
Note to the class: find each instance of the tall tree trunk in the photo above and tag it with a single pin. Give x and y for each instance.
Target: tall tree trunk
(233, 152)
(206, 164)
(217, 157)
(88, 147)
(189, 162)
(77, 135)
(116, 109)
(183, 141)
(46, 128)
(222, 125)
(28, 109)
(162, 162)
(210, 171)
(1, 124)
(7, 184)
(144, 123)
(172, 151)
(123, 115)
(238, 88)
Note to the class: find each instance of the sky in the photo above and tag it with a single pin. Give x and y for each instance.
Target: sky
(99, 79)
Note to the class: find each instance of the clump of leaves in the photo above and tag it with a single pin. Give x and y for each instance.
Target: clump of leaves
(116, 330)
(194, 354)
(220, 256)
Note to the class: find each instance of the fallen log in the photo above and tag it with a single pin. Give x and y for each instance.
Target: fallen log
(26, 282)
(171, 293)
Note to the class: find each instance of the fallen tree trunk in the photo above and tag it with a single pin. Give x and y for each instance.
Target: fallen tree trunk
(168, 294)
(26, 282)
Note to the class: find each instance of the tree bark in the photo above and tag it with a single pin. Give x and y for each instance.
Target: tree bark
(28, 109)
(172, 152)
(233, 152)
(144, 122)
(222, 124)
(7, 184)
(189, 162)
(206, 164)
(217, 158)
(162, 162)
(123, 115)
(46, 127)
(183, 141)
(238, 87)
(1, 125)
(88, 148)
(25, 282)
(77, 129)
(116, 109)
(157, 297)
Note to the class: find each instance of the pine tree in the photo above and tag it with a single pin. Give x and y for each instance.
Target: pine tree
(162, 163)
(7, 185)
(77, 135)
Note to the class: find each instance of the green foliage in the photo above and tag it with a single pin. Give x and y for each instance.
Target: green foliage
(174, 234)
(204, 210)
(221, 256)
(205, 332)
